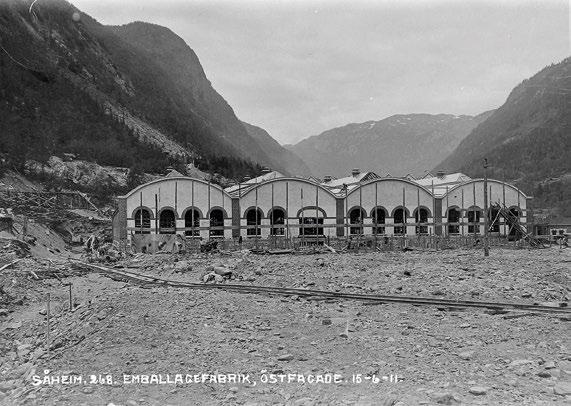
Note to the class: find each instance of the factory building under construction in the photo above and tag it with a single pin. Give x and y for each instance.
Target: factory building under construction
(274, 206)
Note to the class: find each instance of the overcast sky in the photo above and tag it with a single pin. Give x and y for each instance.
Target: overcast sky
(297, 68)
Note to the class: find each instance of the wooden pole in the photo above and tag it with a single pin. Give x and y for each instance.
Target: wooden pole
(70, 299)
(302, 219)
(192, 210)
(156, 214)
(317, 213)
(462, 212)
(418, 212)
(476, 216)
(376, 211)
(209, 214)
(141, 213)
(272, 217)
(404, 212)
(256, 225)
(486, 246)
(287, 211)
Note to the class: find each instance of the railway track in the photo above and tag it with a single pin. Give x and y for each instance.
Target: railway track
(314, 293)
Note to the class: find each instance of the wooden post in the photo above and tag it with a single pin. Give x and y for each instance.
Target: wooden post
(70, 299)
(418, 218)
(141, 213)
(462, 212)
(474, 208)
(302, 219)
(447, 213)
(256, 225)
(192, 211)
(287, 211)
(486, 246)
(175, 204)
(404, 213)
(504, 204)
(156, 214)
(376, 212)
(272, 218)
(317, 213)
(208, 215)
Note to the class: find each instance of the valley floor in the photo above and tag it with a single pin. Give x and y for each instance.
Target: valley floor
(439, 356)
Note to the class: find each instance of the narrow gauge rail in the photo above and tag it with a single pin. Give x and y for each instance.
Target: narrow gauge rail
(423, 301)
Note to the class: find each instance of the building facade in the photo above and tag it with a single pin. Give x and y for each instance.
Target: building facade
(273, 205)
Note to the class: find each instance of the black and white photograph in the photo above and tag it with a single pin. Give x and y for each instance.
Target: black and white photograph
(285, 202)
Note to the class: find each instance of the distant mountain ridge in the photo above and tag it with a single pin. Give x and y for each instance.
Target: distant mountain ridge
(398, 145)
(527, 140)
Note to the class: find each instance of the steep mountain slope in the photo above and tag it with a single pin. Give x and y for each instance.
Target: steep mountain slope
(121, 96)
(527, 140)
(399, 144)
(189, 91)
(280, 156)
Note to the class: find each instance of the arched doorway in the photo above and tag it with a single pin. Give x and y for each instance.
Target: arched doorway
(357, 216)
(192, 221)
(421, 216)
(254, 221)
(453, 220)
(167, 222)
(142, 221)
(216, 223)
(277, 218)
(379, 215)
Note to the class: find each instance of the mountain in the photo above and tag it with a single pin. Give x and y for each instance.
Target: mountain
(527, 140)
(397, 145)
(119, 95)
(280, 156)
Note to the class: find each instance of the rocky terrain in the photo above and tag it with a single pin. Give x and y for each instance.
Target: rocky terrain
(438, 355)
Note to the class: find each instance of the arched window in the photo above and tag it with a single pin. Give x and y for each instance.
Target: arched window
(253, 221)
(216, 223)
(399, 218)
(379, 216)
(453, 221)
(421, 216)
(192, 221)
(277, 218)
(167, 222)
(474, 220)
(142, 221)
(357, 216)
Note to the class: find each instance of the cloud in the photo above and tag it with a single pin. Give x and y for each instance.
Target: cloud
(297, 68)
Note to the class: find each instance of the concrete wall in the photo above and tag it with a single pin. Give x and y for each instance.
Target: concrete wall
(179, 194)
(287, 194)
(390, 194)
(471, 194)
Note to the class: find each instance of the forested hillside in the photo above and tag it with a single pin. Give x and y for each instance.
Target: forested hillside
(527, 140)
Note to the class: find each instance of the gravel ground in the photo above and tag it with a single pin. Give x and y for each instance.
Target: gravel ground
(432, 355)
